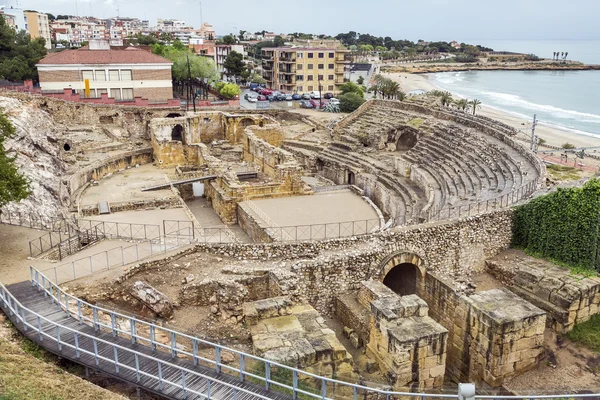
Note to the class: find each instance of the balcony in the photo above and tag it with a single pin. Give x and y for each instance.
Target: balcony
(267, 56)
(287, 60)
(290, 72)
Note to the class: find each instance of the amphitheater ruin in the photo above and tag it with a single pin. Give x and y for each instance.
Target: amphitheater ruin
(349, 251)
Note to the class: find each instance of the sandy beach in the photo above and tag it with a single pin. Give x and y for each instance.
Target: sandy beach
(553, 136)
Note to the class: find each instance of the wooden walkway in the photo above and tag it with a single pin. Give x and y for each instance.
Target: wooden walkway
(35, 301)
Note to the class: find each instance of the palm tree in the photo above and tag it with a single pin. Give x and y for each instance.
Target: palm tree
(462, 104)
(566, 55)
(446, 98)
(401, 95)
(475, 104)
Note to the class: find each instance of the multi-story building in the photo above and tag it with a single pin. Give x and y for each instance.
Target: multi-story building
(38, 27)
(222, 51)
(123, 73)
(9, 19)
(169, 25)
(207, 31)
(305, 69)
(18, 20)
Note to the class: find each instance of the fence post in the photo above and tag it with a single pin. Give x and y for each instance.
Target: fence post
(160, 379)
(195, 352)
(294, 384)
(173, 345)
(152, 338)
(116, 359)
(242, 368)
(132, 330)
(267, 375)
(77, 344)
(217, 359)
(113, 324)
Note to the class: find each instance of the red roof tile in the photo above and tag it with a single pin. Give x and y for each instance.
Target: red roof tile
(129, 55)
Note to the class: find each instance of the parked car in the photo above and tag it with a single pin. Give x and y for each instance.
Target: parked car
(271, 97)
(247, 95)
(265, 92)
(315, 95)
(252, 99)
(296, 96)
(306, 104)
(306, 96)
(334, 101)
(262, 97)
(289, 97)
(280, 97)
(328, 96)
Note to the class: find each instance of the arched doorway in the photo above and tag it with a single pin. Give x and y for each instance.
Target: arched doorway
(177, 133)
(404, 273)
(351, 178)
(402, 279)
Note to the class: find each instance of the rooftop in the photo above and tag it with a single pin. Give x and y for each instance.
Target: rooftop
(128, 55)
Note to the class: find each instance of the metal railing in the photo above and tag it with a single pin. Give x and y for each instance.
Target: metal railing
(467, 210)
(121, 230)
(34, 221)
(63, 245)
(247, 367)
(188, 231)
(115, 257)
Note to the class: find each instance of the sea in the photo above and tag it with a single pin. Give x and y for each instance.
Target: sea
(569, 100)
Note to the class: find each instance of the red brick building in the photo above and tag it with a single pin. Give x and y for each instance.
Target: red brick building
(121, 73)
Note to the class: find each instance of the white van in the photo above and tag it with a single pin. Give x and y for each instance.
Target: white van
(315, 95)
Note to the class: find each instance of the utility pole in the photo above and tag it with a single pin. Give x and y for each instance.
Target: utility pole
(320, 92)
(533, 131)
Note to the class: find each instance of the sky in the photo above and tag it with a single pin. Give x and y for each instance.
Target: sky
(401, 19)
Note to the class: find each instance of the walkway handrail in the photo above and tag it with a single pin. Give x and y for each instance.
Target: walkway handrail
(20, 311)
(62, 298)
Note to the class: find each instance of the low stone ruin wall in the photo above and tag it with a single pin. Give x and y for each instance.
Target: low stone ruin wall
(107, 166)
(170, 202)
(567, 298)
(493, 335)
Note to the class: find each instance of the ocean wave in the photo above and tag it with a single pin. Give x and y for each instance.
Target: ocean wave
(518, 101)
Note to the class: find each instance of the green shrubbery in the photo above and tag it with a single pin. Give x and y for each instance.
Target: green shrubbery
(562, 226)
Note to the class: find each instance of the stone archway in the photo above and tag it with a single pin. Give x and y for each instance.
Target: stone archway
(404, 273)
(177, 133)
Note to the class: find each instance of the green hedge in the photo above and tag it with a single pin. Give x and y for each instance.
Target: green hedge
(563, 226)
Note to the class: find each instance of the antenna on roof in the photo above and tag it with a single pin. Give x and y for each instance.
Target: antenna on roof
(76, 9)
(201, 19)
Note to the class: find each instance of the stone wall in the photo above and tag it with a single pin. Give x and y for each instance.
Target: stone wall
(493, 335)
(567, 298)
(109, 165)
(409, 346)
(169, 202)
(254, 227)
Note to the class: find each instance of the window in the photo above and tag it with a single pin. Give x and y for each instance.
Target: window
(126, 75)
(331, 66)
(321, 66)
(299, 55)
(309, 77)
(330, 87)
(127, 94)
(92, 93)
(299, 77)
(310, 55)
(113, 75)
(299, 66)
(100, 75)
(331, 55)
(101, 92)
(309, 66)
(115, 94)
(299, 88)
(321, 55)
(310, 89)
(87, 75)
(321, 77)
(330, 77)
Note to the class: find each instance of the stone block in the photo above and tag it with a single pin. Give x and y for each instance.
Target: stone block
(355, 340)
(437, 371)
(306, 353)
(265, 342)
(371, 366)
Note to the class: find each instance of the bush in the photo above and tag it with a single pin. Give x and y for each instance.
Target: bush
(360, 80)
(568, 146)
(351, 87)
(230, 90)
(531, 57)
(466, 58)
(350, 102)
(562, 226)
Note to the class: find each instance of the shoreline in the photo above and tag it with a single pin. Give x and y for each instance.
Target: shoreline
(429, 68)
(553, 135)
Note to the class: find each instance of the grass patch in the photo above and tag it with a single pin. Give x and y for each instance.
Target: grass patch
(587, 333)
(574, 268)
(283, 376)
(28, 372)
(563, 172)
(416, 122)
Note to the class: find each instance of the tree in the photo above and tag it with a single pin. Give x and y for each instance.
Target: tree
(199, 68)
(475, 104)
(19, 53)
(568, 146)
(278, 41)
(230, 90)
(350, 101)
(242, 33)
(462, 104)
(360, 80)
(351, 87)
(13, 185)
(229, 39)
(256, 78)
(234, 64)
(446, 98)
